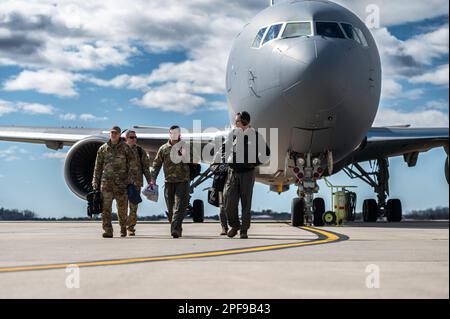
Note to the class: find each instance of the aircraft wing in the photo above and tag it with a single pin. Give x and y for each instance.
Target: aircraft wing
(54, 138)
(388, 142)
(151, 138)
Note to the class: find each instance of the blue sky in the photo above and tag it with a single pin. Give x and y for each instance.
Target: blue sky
(60, 66)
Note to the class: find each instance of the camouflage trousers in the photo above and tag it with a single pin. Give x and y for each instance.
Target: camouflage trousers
(239, 187)
(132, 217)
(110, 194)
(177, 201)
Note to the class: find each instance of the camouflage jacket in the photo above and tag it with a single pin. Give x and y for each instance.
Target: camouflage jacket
(142, 164)
(174, 173)
(115, 166)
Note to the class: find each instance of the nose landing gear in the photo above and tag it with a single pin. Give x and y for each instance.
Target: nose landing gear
(305, 209)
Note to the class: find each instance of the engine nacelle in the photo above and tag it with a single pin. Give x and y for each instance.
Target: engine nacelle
(446, 170)
(79, 165)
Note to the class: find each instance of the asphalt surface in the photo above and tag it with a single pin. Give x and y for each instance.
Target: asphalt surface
(406, 260)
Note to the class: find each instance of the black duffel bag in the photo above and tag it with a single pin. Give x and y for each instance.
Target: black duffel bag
(133, 195)
(95, 203)
(219, 180)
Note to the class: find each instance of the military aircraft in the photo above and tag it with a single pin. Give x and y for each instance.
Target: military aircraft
(312, 70)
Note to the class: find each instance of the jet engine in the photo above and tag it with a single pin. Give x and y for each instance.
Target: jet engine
(79, 165)
(446, 170)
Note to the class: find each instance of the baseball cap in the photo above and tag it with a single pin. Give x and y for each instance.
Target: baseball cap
(116, 129)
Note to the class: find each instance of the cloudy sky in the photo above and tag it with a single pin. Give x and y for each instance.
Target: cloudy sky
(94, 63)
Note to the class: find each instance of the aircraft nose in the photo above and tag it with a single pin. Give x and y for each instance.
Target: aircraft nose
(313, 74)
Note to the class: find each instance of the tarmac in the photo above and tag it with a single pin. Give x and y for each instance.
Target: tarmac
(382, 260)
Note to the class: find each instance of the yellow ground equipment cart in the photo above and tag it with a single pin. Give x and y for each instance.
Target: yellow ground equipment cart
(343, 202)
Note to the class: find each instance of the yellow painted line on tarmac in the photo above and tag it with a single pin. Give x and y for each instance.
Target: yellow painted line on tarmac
(324, 237)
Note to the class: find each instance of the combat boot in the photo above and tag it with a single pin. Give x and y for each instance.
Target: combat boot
(123, 232)
(175, 234)
(131, 233)
(244, 234)
(108, 235)
(233, 232)
(224, 231)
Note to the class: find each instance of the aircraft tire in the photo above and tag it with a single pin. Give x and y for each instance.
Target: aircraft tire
(394, 212)
(370, 211)
(319, 210)
(298, 212)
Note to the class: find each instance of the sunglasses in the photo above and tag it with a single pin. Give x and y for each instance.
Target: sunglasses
(132, 137)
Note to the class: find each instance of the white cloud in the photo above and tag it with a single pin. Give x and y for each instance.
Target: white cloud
(12, 153)
(91, 118)
(92, 35)
(217, 106)
(397, 11)
(61, 37)
(36, 108)
(55, 82)
(439, 76)
(437, 105)
(427, 118)
(171, 98)
(55, 155)
(410, 57)
(86, 117)
(7, 107)
(391, 89)
(68, 117)
(428, 46)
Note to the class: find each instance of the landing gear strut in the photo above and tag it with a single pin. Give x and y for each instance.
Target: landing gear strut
(308, 169)
(378, 178)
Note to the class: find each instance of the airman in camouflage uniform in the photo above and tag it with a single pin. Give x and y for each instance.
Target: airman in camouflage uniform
(143, 169)
(114, 171)
(177, 179)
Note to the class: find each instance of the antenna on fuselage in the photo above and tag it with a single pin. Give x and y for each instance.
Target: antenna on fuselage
(272, 2)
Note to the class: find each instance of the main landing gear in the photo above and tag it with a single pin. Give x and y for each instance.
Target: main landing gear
(378, 178)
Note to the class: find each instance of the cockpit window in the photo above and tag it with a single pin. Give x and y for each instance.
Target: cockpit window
(273, 33)
(351, 32)
(355, 34)
(297, 29)
(259, 37)
(362, 37)
(329, 30)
